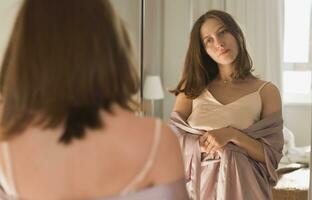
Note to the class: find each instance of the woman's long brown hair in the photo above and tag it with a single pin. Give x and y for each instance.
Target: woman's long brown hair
(199, 68)
(66, 60)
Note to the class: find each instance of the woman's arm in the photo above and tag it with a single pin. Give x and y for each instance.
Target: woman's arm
(216, 139)
(183, 105)
(271, 102)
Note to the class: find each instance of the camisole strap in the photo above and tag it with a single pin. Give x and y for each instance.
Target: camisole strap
(260, 88)
(7, 179)
(131, 187)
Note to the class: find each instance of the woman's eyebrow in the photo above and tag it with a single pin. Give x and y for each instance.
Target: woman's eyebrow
(221, 27)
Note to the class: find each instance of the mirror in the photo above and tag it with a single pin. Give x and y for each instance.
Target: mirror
(162, 48)
(269, 29)
(131, 14)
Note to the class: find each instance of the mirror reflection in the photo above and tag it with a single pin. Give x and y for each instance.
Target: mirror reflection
(279, 47)
(277, 43)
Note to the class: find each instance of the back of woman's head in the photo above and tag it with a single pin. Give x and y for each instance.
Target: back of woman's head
(66, 60)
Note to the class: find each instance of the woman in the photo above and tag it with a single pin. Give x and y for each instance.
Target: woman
(228, 121)
(68, 130)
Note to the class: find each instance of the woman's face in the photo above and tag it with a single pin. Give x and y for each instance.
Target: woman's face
(219, 43)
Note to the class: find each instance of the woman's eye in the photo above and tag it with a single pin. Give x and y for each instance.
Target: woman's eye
(222, 32)
(208, 42)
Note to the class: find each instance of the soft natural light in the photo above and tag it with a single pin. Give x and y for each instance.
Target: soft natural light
(297, 87)
(297, 31)
(297, 81)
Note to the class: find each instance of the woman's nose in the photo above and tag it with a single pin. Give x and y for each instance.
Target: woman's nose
(219, 43)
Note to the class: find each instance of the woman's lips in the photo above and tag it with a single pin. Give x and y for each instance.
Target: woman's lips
(224, 52)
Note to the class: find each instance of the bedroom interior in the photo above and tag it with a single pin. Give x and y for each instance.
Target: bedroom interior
(279, 45)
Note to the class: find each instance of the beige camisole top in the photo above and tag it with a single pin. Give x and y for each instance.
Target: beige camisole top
(208, 113)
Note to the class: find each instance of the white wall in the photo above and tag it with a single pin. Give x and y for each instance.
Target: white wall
(128, 10)
(130, 13)
(297, 118)
(153, 47)
(176, 37)
(8, 12)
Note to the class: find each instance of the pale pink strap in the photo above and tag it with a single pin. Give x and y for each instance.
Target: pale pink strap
(131, 187)
(260, 88)
(7, 179)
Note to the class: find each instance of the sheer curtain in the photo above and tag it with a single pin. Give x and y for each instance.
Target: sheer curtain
(261, 20)
(262, 23)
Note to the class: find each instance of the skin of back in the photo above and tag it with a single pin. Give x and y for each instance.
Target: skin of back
(100, 165)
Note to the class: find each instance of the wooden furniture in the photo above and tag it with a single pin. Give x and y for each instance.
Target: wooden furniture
(293, 184)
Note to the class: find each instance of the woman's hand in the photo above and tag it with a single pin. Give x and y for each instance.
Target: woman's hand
(214, 140)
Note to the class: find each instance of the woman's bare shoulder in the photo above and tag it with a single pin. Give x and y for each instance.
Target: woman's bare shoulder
(148, 124)
(267, 88)
(271, 99)
(253, 81)
(169, 162)
(168, 165)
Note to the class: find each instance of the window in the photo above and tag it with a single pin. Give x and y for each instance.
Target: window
(297, 86)
(296, 31)
(297, 58)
